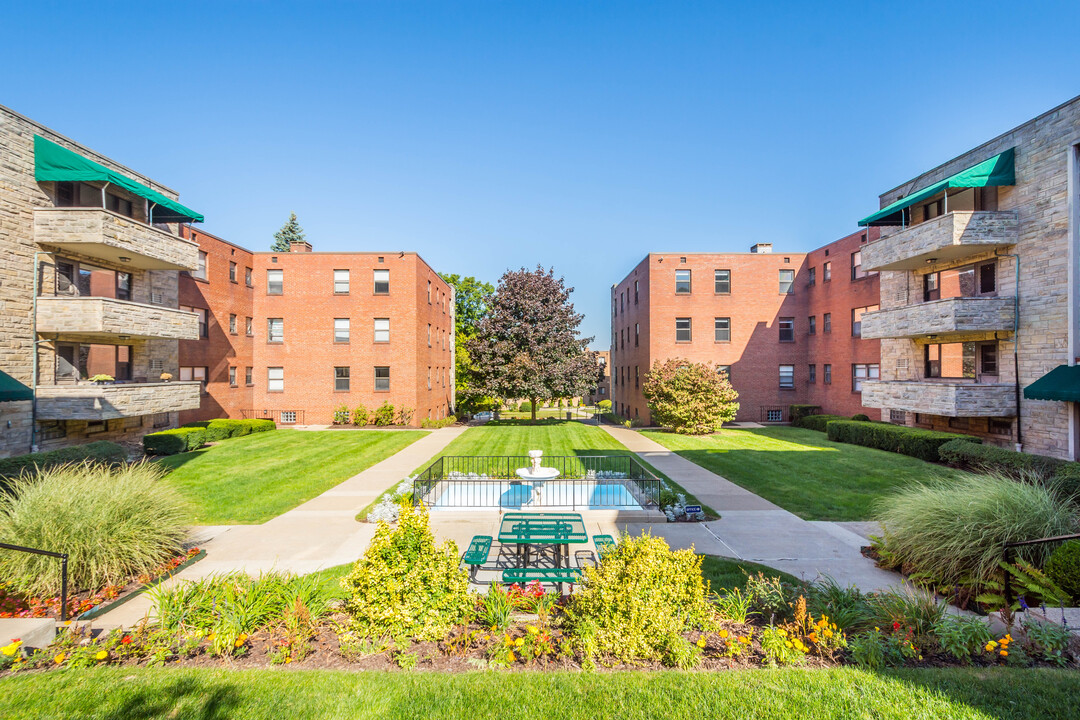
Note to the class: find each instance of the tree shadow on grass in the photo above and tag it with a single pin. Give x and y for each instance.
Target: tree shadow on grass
(204, 699)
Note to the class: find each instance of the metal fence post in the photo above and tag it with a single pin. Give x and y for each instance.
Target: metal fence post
(63, 588)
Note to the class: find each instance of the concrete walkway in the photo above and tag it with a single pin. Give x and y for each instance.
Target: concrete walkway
(752, 528)
(321, 533)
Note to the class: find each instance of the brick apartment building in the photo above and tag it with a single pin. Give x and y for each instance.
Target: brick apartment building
(784, 326)
(980, 276)
(295, 335)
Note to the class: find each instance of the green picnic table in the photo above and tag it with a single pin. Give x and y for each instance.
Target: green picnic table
(558, 529)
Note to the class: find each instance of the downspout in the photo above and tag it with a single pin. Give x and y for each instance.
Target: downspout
(1016, 350)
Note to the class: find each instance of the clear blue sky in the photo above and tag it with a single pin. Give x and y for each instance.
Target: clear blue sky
(580, 135)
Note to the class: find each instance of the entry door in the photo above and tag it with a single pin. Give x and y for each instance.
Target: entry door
(67, 368)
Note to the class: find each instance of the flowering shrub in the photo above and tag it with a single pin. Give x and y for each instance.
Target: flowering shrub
(690, 398)
(781, 647)
(405, 585)
(389, 507)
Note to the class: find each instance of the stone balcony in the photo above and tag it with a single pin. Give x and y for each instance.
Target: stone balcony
(951, 316)
(950, 237)
(98, 319)
(106, 235)
(949, 399)
(108, 402)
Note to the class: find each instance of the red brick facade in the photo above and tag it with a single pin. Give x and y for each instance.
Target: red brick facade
(751, 312)
(335, 329)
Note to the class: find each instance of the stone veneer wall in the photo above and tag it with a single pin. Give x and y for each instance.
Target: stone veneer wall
(15, 439)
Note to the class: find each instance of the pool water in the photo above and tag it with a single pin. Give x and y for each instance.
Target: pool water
(554, 494)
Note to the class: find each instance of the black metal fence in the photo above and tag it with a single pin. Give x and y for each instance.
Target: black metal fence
(63, 571)
(584, 481)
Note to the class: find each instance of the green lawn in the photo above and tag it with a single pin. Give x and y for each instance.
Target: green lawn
(727, 573)
(127, 693)
(330, 579)
(800, 470)
(254, 478)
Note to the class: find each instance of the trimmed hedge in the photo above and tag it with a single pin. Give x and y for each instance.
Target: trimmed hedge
(990, 457)
(816, 422)
(923, 444)
(798, 412)
(223, 429)
(102, 451)
(176, 440)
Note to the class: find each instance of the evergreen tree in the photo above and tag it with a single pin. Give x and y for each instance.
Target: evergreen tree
(290, 232)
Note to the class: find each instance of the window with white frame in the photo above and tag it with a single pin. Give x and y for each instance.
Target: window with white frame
(275, 379)
(861, 372)
(787, 377)
(787, 282)
(341, 379)
(382, 379)
(275, 330)
(341, 330)
(682, 330)
(382, 282)
(275, 282)
(288, 417)
(722, 328)
(382, 330)
(682, 282)
(200, 270)
(341, 282)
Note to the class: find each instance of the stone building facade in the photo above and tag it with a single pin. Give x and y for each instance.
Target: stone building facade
(88, 286)
(962, 334)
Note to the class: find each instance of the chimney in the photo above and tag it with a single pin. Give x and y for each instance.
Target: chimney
(299, 246)
(761, 248)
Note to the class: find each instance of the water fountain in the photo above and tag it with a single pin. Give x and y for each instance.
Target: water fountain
(537, 475)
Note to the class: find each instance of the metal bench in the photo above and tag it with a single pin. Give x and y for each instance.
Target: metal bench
(477, 553)
(543, 575)
(604, 545)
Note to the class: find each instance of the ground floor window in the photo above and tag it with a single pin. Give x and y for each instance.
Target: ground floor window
(288, 417)
(341, 379)
(774, 415)
(161, 420)
(959, 423)
(382, 379)
(1000, 426)
(898, 416)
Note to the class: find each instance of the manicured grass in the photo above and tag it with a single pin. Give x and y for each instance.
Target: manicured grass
(127, 693)
(254, 478)
(330, 579)
(727, 573)
(801, 471)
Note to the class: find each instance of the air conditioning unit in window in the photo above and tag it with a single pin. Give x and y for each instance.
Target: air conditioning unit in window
(901, 363)
(157, 298)
(157, 365)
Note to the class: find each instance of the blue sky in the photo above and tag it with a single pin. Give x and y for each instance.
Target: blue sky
(488, 135)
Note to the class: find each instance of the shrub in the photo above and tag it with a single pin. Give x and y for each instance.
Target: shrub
(404, 415)
(798, 412)
(953, 530)
(223, 429)
(916, 442)
(112, 522)
(176, 440)
(341, 415)
(525, 407)
(816, 422)
(1063, 568)
(860, 417)
(405, 584)
(101, 451)
(604, 405)
(990, 457)
(445, 422)
(690, 398)
(360, 415)
(631, 604)
(383, 415)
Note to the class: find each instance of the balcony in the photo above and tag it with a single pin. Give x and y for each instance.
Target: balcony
(106, 235)
(953, 236)
(949, 399)
(951, 316)
(109, 402)
(100, 319)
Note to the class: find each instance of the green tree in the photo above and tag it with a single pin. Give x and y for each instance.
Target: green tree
(470, 306)
(290, 232)
(690, 398)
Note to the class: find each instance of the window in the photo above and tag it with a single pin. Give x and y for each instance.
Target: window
(826, 272)
(724, 371)
(429, 335)
(429, 378)
(118, 205)
(857, 273)
(247, 277)
(194, 373)
(787, 377)
(987, 279)
(201, 312)
(123, 286)
(232, 324)
(826, 323)
(811, 276)
(952, 360)
(811, 375)
(1000, 426)
(682, 282)
(249, 327)
(787, 329)
(161, 420)
(811, 325)
(232, 377)
(341, 330)
(931, 287)
(249, 376)
(898, 417)
(275, 330)
(275, 282)
(958, 423)
(382, 330)
(275, 379)
(722, 282)
(382, 282)
(722, 327)
(682, 329)
(200, 269)
(774, 415)
(341, 282)
(232, 272)
(862, 372)
(288, 417)
(635, 292)
(341, 379)
(382, 379)
(635, 376)
(826, 374)
(637, 334)
(856, 319)
(787, 282)
(988, 363)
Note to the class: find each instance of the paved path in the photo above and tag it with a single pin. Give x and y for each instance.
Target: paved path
(321, 533)
(752, 528)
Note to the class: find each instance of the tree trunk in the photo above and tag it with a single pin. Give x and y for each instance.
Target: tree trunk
(532, 407)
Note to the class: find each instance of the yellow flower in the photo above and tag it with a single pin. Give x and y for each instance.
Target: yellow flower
(59, 658)
(532, 630)
(701, 641)
(788, 643)
(519, 642)
(512, 656)
(744, 640)
(723, 633)
(990, 646)
(101, 655)
(827, 633)
(211, 637)
(1004, 653)
(783, 632)
(11, 649)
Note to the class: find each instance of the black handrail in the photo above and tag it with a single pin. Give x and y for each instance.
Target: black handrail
(63, 571)
(1008, 556)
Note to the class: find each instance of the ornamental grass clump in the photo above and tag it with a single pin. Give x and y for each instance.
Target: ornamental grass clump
(953, 530)
(114, 524)
(638, 602)
(405, 585)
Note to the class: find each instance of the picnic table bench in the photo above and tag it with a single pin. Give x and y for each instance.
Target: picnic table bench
(477, 553)
(604, 545)
(544, 575)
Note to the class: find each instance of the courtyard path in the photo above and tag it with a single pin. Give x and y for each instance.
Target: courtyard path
(752, 528)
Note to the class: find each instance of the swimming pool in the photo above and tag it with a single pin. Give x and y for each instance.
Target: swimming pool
(489, 494)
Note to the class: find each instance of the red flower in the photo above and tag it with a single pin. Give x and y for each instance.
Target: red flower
(126, 640)
(895, 625)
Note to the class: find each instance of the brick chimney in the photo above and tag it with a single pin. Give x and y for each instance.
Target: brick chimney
(299, 246)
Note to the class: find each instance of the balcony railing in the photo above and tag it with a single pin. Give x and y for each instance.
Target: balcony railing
(107, 235)
(945, 398)
(953, 236)
(103, 319)
(87, 401)
(951, 316)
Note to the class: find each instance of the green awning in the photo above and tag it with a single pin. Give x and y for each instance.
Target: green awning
(58, 164)
(12, 390)
(998, 170)
(1061, 384)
